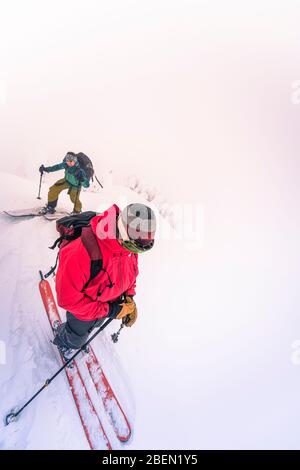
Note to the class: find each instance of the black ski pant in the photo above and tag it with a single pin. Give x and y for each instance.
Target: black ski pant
(74, 333)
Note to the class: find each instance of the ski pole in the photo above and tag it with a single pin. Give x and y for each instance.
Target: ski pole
(39, 195)
(10, 417)
(115, 336)
(98, 181)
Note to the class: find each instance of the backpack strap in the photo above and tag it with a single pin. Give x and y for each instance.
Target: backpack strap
(53, 268)
(91, 245)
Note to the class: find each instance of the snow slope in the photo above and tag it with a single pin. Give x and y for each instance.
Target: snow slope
(52, 421)
(200, 369)
(200, 99)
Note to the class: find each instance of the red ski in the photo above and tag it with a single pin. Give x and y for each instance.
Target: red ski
(90, 420)
(111, 404)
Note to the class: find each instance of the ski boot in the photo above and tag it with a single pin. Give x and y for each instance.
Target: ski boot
(86, 349)
(47, 210)
(76, 212)
(66, 353)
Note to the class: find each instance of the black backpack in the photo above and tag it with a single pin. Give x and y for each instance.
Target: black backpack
(72, 227)
(85, 164)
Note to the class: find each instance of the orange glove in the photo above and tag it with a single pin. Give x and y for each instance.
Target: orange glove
(128, 314)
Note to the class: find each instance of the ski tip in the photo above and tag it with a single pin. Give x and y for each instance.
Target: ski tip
(125, 439)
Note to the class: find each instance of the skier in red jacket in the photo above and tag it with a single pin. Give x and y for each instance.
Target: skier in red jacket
(120, 236)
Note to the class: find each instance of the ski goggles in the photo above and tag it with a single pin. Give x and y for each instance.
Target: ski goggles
(137, 246)
(71, 158)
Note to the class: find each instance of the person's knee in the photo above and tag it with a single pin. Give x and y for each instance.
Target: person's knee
(79, 327)
(68, 338)
(52, 195)
(53, 189)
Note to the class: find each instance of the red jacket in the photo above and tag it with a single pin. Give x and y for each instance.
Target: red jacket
(120, 269)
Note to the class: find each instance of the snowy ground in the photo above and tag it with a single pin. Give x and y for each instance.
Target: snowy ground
(135, 367)
(200, 369)
(190, 102)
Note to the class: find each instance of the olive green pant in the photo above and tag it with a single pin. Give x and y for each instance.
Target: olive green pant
(62, 185)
